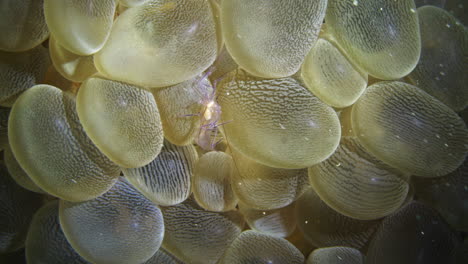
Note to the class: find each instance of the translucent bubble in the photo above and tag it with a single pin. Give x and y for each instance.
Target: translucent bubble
(121, 226)
(17, 173)
(122, 120)
(380, 36)
(277, 122)
(167, 179)
(358, 185)
(335, 255)
(255, 248)
(264, 40)
(212, 182)
(166, 42)
(409, 129)
(331, 77)
(198, 236)
(51, 146)
(89, 20)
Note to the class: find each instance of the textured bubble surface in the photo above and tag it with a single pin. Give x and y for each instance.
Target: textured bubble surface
(331, 77)
(195, 235)
(20, 71)
(409, 129)
(358, 185)
(17, 173)
(251, 247)
(212, 182)
(277, 122)
(122, 120)
(51, 146)
(46, 242)
(441, 70)
(264, 40)
(89, 20)
(165, 42)
(380, 36)
(167, 179)
(265, 188)
(22, 24)
(324, 227)
(121, 226)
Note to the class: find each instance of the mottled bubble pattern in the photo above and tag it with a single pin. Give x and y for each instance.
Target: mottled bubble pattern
(410, 130)
(277, 122)
(265, 188)
(197, 236)
(163, 257)
(379, 36)
(17, 207)
(51, 146)
(21, 71)
(335, 255)
(167, 179)
(121, 226)
(165, 41)
(212, 182)
(46, 242)
(324, 227)
(441, 70)
(74, 67)
(89, 20)
(279, 222)
(22, 24)
(251, 247)
(264, 40)
(331, 77)
(132, 3)
(414, 234)
(358, 185)
(122, 120)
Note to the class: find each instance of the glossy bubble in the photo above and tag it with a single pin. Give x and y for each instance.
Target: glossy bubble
(22, 24)
(180, 107)
(132, 3)
(51, 146)
(167, 179)
(331, 77)
(121, 226)
(265, 188)
(380, 36)
(324, 227)
(253, 247)
(264, 40)
(122, 120)
(17, 173)
(414, 234)
(212, 182)
(277, 122)
(195, 235)
(163, 257)
(166, 42)
(74, 67)
(441, 70)
(335, 255)
(89, 20)
(20, 71)
(358, 185)
(410, 130)
(279, 222)
(46, 242)
(17, 207)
